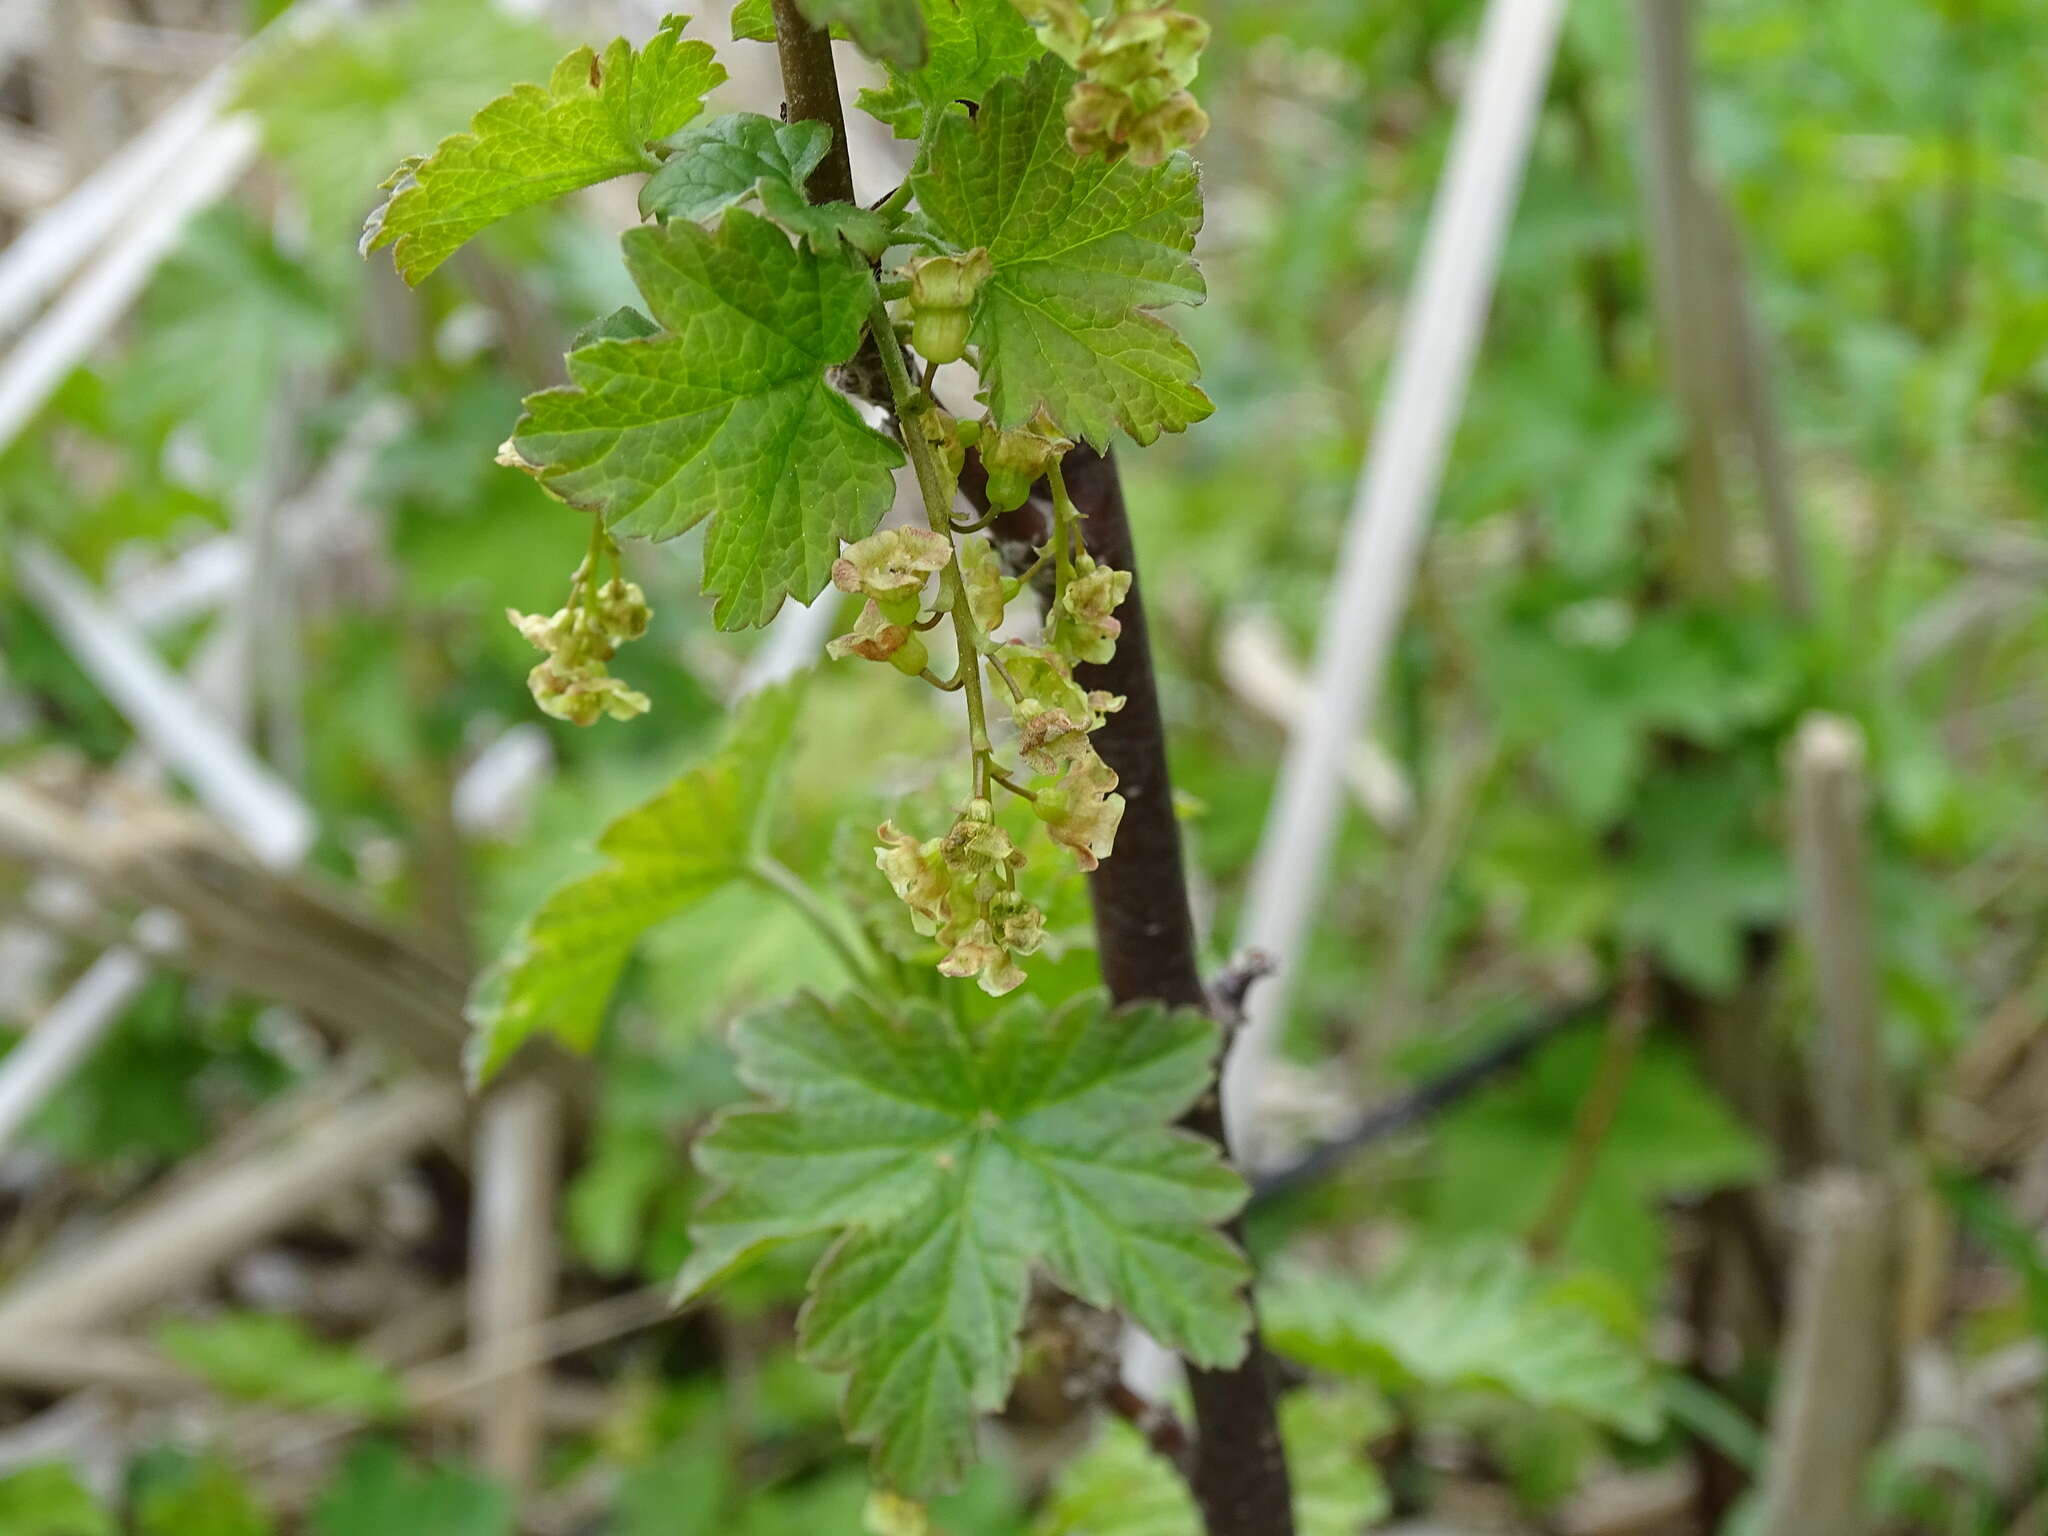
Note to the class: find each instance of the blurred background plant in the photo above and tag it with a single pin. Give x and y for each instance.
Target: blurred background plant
(263, 1269)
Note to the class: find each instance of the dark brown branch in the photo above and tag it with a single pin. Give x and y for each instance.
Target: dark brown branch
(810, 88)
(1144, 930)
(1145, 938)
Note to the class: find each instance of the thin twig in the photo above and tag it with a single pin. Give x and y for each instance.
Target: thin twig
(1626, 1022)
(1428, 1099)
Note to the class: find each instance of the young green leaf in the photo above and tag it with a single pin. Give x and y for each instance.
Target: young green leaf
(376, 1490)
(1082, 249)
(46, 1499)
(951, 1158)
(1121, 1487)
(889, 30)
(726, 411)
(714, 165)
(974, 43)
(203, 1497)
(597, 118)
(265, 1357)
(663, 855)
(1475, 1317)
(744, 154)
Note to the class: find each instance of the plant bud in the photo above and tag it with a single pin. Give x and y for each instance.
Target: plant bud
(942, 294)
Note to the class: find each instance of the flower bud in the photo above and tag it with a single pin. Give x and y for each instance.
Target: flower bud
(1015, 460)
(942, 294)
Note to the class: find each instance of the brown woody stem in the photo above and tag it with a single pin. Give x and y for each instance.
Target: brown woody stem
(1144, 929)
(1145, 937)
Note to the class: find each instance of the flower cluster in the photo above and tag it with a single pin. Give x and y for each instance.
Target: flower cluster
(1136, 68)
(890, 569)
(1074, 793)
(962, 890)
(574, 684)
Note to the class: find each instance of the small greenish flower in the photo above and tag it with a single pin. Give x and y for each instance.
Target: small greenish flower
(583, 697)
(959, 891)
(891, 568)
(1174, 124)
(942, 293)
(917, 874)
(942, 430)
(1052, 712)
(1064, 26)
(622, 611)
(1132, 97)
(1017, 925)
(976, 848)
(977, 954)
(574, 684)
(1082, 811)
(988, 590)
(1015, 460)
(877, 637)
(1083, 625)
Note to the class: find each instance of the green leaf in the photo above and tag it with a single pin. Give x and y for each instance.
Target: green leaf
(889, 30)
(47, 1500)
(1475, 1317)
(1701, 872)
(224, 322)
(595, 119)
(264, 1357)
(341, 104)
(377, 1492)
(1082, 249)
(673, 850)
(205, 1497)
(744, 154)
(824, 224)
(1121, 1487)
(952, 1158)
(753, 21)
(974, 43)
(714, 165)
(727, 411)
(1337, 1486)
(623, 324)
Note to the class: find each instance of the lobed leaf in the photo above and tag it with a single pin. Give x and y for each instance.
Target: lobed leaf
(714, 165)
(662, 856)
(597, 117)
(1082, 250)
(741, 155)
(973, 44)
(727, 411)
(1475, 1317)
(950, 1158)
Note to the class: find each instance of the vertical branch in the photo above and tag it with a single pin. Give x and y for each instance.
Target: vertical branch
(1596, 1116)
(512, 1273)
(1145, 931)
(1848, 1075)
(810, 86)
(1756, 406)
(1145, 936)
(1837, 1379)
(1682, 282)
